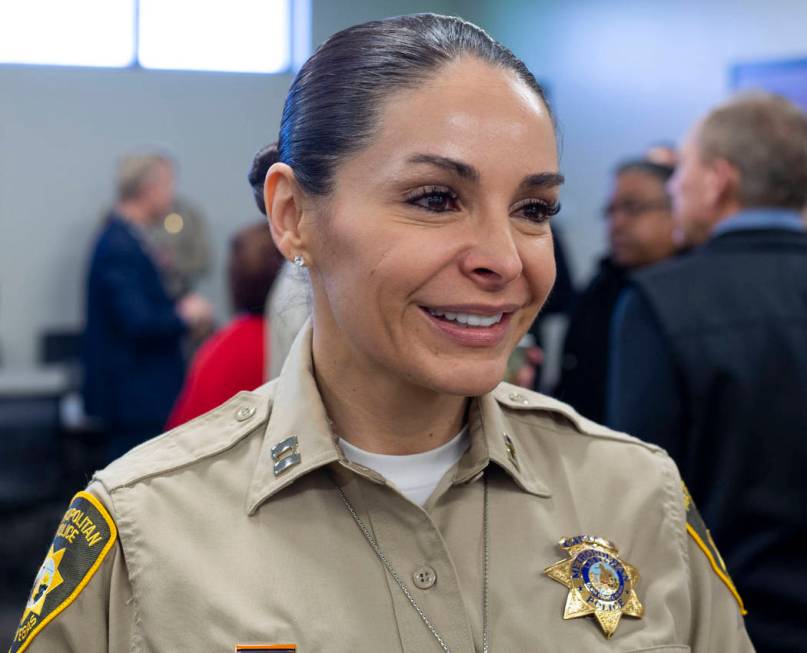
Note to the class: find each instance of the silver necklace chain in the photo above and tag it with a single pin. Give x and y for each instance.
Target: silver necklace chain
(396, 577)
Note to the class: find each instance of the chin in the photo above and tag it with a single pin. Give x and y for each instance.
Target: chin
(467, 379)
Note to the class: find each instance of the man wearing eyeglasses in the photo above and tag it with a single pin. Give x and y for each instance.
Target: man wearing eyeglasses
(710, 353)
(640, 233)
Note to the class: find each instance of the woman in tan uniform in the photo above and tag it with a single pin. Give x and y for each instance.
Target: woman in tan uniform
(387, 492)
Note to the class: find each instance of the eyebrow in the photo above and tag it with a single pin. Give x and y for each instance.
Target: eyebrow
(469, 172)
(542, 180)
(461, 169)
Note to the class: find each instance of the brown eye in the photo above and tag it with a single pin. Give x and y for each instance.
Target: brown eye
(537, 210)
(437, 200)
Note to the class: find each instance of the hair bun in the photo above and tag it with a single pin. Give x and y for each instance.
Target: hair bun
(264, 159)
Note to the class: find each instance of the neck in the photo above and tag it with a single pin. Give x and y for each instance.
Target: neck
(133, 212)
(379, 413)
(724, 211)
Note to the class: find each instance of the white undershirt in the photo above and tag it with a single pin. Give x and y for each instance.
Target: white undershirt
(414, 475)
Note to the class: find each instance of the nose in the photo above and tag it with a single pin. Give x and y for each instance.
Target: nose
(616, 222)
(493, 259)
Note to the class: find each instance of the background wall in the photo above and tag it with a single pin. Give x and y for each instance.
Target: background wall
(622, 73)
(61, 132)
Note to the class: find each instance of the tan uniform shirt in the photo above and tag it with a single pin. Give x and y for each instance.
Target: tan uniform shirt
(214, 549)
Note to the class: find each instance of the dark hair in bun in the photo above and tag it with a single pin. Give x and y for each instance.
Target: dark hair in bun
(263, 160)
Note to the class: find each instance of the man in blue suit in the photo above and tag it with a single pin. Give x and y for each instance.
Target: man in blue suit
(132, 356)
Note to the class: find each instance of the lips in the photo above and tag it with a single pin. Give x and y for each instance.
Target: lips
(467, 319)
(471, 325)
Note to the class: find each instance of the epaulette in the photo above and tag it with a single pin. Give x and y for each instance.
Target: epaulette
(205, 436)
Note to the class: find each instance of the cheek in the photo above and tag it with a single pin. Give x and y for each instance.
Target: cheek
(695, 187)
(364, 276)
(656, 234)
(539, 268)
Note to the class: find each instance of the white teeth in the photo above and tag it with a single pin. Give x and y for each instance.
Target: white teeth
(469, 319)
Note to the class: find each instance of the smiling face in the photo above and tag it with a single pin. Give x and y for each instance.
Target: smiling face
(433, 254)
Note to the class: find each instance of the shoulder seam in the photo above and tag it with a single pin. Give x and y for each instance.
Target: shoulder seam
(120, 475)
(131, 557)
(675, 510)
(519, 401)
(615, 436)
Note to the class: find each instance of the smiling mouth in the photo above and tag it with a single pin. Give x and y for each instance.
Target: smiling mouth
(468, 320)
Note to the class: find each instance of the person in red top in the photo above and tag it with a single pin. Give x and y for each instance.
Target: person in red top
(234, 358)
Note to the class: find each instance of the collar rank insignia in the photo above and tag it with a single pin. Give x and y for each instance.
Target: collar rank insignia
(599, 582)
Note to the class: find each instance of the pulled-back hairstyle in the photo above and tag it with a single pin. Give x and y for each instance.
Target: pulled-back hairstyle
(765, 137)
(332, 107)
(263, 160)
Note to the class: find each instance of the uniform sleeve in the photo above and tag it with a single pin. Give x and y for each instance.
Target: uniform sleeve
(717, 620)
(644, 396)
(81, 600)
(715, 609)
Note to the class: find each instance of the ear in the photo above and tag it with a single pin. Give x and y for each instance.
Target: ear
(284, 209)
(725, 182)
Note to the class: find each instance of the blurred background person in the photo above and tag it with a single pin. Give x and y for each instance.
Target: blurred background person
(640, 233)
(710, 355)
(665, 154)
(182, 239)
(287, 309)
(554, 314)
(131, 353)
(234, 358)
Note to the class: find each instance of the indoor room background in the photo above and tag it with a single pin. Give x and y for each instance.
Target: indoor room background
(622, 74)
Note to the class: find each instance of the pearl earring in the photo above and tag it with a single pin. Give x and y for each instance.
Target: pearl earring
(299, 261)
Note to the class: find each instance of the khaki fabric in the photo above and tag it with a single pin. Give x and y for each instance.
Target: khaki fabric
(216, 550)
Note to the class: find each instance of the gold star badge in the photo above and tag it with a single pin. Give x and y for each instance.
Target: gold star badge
(599, 582)
(47, 580)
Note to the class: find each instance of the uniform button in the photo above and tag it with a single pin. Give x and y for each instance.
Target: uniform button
(244, 413)
(424, 577)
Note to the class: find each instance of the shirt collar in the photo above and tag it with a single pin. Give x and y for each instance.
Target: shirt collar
(761, 218)
(298, 425)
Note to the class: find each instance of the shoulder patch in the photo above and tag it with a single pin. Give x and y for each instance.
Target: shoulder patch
(83, 539)
(703, 538)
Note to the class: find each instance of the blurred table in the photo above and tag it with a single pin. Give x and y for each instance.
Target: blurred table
(30, 428)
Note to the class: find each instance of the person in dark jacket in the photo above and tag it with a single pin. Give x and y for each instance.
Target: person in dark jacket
(640, 233)
(710, 354)
(132, 357)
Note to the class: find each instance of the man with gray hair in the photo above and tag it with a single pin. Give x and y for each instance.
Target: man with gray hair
(709, 355)
(132, 356)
